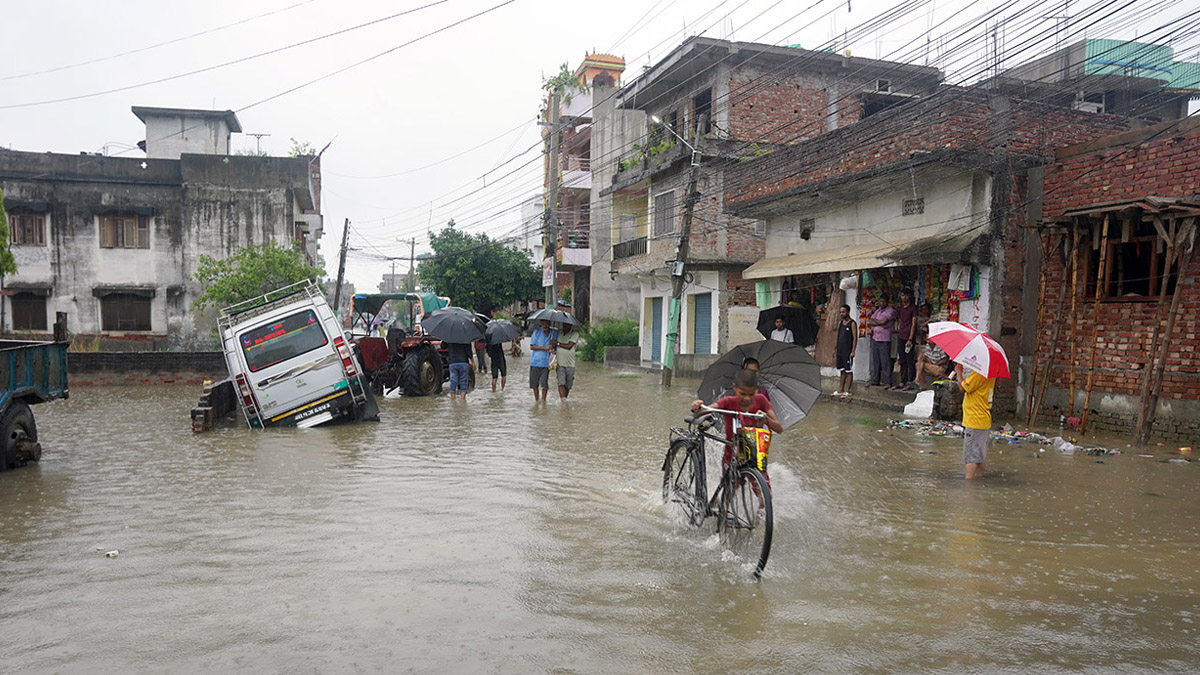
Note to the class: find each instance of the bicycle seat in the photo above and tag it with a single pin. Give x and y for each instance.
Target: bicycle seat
(689, 419)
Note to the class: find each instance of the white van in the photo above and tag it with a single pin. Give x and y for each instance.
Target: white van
(290, 363)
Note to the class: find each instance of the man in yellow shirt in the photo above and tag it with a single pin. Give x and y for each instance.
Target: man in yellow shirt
(977, 419)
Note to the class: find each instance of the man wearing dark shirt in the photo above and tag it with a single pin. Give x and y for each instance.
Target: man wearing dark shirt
(460, 357)
(906, 335)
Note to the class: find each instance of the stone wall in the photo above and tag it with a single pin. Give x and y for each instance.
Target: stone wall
(139, 368)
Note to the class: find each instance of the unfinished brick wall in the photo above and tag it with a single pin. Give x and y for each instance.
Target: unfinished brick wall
(1162, 161)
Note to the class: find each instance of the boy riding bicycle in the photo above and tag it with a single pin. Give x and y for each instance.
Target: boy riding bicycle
(745, 399)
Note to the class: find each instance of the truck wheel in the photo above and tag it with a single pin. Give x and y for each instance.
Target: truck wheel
(17, 430)
(422, 372)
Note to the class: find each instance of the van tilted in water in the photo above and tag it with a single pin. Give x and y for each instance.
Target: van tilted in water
(290, 363)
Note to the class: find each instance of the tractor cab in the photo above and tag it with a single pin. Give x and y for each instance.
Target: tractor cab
(395, 352)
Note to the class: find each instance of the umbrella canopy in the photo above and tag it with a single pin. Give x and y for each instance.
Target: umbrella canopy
(801, 322)
(501, 330)
(971, 348)
(790, 375)
(553, 316)
(454, 324)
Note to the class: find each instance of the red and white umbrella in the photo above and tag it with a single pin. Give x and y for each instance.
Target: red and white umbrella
(971, 348)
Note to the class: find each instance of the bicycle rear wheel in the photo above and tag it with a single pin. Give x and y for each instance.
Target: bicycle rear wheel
(682, 492)
(744, 517)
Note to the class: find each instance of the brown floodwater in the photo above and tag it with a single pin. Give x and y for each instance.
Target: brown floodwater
(500, 536)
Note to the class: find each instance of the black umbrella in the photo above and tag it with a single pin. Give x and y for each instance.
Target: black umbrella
(801, 322)
(790, 375)
(454, 324)
(501, 330)
(552, 315)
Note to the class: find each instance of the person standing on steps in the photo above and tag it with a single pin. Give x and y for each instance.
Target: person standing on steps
(847, 345)
(881, 321)
(906, 349)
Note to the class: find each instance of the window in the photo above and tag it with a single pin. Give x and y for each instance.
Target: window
(664, 214)
(912, 207)
(27, 229)
(281, 340)
(28, 311)
(702, 104)
(118, 231)
(760, 228)
(1134, 268)
(124, 311)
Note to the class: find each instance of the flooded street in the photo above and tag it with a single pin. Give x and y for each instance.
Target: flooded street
(500, 536)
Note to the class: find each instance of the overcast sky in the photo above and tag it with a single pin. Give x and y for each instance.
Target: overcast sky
(442, 124)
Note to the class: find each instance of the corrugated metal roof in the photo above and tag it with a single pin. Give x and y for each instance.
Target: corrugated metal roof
(1131, 59)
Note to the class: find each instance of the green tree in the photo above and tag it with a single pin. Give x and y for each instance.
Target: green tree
(8, 264)
(300, 148)
(476, 272)
(248, 273)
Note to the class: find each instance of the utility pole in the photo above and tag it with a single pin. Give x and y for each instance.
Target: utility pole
(337, 290)
(258, 141)
(411, 286)
(678, 268)
(392, 279)
(551, 215)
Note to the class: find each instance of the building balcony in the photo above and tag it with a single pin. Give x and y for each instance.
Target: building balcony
(629, 249)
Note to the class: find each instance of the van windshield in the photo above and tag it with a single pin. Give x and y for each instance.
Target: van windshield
(281, 340)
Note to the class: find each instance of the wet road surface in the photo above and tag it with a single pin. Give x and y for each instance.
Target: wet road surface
(501, 536)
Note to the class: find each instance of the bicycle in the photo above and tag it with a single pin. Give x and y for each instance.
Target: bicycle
(741, 502)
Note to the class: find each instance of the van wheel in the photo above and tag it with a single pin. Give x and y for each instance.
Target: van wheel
(422, 372)
(18, 437)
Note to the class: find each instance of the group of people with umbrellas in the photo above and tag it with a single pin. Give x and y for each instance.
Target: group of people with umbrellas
(790, 381)
(460, 328)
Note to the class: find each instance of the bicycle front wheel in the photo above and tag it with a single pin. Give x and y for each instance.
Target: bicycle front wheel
(682, 491)
(744, 517)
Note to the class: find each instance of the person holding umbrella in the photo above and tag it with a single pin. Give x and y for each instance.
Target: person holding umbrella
(745, 399)
(986, 361)
(541, 344)
(564, 351)
(461, 358)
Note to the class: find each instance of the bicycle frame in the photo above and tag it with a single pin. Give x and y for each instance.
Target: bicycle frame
(695, 435)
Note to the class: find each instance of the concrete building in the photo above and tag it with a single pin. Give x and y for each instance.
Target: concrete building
(734, 101)
(114, 241)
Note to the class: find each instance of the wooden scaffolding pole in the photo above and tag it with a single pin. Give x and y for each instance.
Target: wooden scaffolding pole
(1101, 283)
(1152, 381)
(1076, 236)
(1037, 332)
(1041, 394)
(1142, 431)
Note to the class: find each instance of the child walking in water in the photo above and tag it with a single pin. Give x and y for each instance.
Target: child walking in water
(745, 399)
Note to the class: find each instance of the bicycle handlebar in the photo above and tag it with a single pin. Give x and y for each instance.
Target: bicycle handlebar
(758, 415)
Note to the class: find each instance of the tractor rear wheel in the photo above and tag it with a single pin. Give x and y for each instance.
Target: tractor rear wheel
(422, 371)
(18, 436)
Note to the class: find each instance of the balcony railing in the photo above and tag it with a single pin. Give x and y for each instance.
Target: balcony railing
(628, 249)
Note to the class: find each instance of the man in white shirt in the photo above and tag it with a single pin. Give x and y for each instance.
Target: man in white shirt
(782, 334)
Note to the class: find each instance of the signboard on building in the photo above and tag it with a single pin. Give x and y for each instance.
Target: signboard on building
(547, 272)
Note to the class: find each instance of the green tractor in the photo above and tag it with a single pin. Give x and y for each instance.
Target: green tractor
(405, 357)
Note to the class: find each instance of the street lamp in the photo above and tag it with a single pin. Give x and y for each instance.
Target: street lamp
(695, 153)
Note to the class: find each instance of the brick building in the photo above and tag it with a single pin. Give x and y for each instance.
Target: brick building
(114, 241)
(732, 101)
(930, 196)
(1119, 337)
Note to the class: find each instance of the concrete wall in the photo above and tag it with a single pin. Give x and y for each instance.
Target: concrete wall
(169, 136)
(198, 205)
(139, 368)
(613, 132)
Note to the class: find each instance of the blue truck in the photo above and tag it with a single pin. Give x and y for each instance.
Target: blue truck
(30, 373)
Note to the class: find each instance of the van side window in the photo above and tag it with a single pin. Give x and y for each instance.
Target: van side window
(281, 340)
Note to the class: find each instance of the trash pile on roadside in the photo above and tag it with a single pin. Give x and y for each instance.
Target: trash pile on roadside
(1005, 434)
